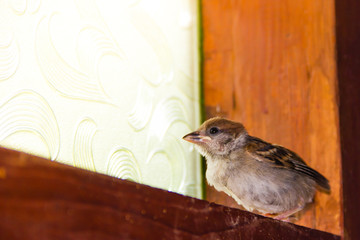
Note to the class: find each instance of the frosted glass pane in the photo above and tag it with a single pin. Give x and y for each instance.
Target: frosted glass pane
(110, 86)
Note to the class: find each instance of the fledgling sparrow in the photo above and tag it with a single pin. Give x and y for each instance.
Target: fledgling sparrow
(258, 175)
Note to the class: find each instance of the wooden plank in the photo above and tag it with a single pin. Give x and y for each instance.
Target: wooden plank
(40, 199)
(271, 65)
(348, 57)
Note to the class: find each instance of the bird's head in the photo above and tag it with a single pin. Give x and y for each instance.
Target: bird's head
(217, 137)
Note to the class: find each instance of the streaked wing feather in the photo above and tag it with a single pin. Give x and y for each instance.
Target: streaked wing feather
(282, 157)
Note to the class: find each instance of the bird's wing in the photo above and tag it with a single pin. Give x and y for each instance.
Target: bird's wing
(281, 157)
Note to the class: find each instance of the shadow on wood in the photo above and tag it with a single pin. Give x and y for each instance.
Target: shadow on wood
(348, 56)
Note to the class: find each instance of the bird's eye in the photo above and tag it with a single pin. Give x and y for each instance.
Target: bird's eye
(214, 130)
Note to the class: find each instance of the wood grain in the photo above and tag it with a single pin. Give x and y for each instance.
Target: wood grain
(271, 65)
(348, 57)
(40, 199)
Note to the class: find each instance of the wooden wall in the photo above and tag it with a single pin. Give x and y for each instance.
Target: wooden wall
(271, 65)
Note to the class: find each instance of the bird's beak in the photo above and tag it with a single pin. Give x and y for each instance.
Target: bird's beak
(196, 137)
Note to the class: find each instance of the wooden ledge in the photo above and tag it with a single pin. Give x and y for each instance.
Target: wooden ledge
(40, 199)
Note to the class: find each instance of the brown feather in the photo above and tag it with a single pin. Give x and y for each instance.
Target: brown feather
(278, 156)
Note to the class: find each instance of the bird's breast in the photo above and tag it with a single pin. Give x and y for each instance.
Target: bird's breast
(216, 173)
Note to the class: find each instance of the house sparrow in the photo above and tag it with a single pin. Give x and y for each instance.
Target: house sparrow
(258, 175)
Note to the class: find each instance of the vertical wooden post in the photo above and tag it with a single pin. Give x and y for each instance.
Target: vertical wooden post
(348, 57)
(271, 65)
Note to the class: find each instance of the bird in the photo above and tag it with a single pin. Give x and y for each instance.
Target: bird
(258, 175)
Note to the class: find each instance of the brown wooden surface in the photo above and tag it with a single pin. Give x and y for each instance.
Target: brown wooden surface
(271, 65)
(40, 199)
(348, 56)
